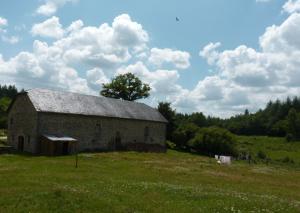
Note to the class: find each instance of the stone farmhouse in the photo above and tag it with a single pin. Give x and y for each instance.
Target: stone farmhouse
(50, 122)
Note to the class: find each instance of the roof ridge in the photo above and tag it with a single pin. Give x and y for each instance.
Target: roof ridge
(94, 96)
(46, 100)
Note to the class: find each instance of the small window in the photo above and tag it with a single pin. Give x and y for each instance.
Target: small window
(28, 139)
(11, 121)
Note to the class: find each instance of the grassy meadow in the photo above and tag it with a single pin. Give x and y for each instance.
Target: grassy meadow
(144, 182)
(277, 150)
(149, 182)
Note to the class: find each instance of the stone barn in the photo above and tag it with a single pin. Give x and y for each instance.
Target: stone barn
(50, 122)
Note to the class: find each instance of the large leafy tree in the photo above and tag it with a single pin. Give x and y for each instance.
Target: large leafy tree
(127, 87)
(166, 110)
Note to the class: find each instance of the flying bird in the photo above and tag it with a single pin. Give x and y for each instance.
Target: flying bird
(177, 19)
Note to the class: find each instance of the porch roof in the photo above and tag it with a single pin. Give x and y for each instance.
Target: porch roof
(59, 138)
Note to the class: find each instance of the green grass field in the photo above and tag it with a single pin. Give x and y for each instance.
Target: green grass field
(276, 149)
(142, 182)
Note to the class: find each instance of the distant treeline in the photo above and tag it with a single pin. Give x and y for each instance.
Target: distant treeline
(279, 118)
(7, 93)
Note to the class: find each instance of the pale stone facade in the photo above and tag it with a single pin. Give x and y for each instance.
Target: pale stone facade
(94, 133)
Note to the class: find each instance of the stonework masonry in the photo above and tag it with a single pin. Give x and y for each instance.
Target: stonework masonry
(26, 126)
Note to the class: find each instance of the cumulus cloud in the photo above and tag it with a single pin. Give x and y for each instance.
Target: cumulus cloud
(263, 1)
(292, 6)
(248, 78)
(179, 59)
(95, 78)
(162, 82)
(51, 6)
(4, 33)
(3, 22)
(10, 39)
(50, 28)
(84, 57)
(97, 51)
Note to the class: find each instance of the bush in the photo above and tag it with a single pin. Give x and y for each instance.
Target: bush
(183, 134)
(214, 141)
(261, 155)
(170, 145)
(289, 137)
(287, 160)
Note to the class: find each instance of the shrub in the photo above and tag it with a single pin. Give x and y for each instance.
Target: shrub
(287, 160)
(183, 134)
(170, 145)
(289, 137)
(261, 155)
(214, 141)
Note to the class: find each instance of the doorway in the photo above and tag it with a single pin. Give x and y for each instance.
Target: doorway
(21, 143)
(118, 141)
(65, 148)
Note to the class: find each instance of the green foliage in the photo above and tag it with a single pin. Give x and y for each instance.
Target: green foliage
(289, 137)
(288, 160)
(8, 91)
(4, 104)
(183, 134)
(293, 120)
(271, 121)
(170, 145)
(166, 110)
(127, 87)
(214, 141)
(261, 155)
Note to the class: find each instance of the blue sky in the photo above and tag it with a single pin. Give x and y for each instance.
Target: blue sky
(220, 87)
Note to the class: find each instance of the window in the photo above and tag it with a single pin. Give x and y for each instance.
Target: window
(11, 121)
(98, 130)
(28, 139)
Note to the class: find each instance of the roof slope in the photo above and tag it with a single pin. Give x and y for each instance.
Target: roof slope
(72, 103)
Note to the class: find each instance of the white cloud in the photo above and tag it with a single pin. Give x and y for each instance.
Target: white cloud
(51, 6)
(128, 33)
(179, 59)
(3, 33)
(10, 39)
(248, 78)
(162, 82)
(209, 52)
(95, 78)
(3, 22)
(263, 1)
(292, 6)
(99, 50)
(50, 28)
(245, 77)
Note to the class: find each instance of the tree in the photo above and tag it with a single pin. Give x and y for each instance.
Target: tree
(293, 120)
(4, 103)
(166, 110)
(127, 87)
(213, 141)
(183, 134)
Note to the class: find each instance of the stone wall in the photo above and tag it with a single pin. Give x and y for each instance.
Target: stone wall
(102, 133)
(22, 122)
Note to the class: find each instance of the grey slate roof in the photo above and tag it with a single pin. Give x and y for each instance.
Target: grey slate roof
(72, 103)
